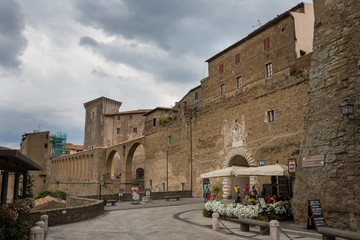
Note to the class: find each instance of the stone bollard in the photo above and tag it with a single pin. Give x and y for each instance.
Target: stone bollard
(215, 222)
(41, 224)
(35, 233)
(274, 230)
(45, 219)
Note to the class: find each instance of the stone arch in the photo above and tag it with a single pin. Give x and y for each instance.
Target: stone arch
(127, 170)
(240, 153)
(111, 165)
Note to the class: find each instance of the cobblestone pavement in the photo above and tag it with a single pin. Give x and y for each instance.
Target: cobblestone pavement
(162, 220)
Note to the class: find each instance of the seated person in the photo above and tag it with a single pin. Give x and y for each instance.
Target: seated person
(272, 199)
(247, 197)
(251, 199)
(238, 200)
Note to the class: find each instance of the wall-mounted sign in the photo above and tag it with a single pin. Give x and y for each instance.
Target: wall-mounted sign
(313, 161)
(261, 163)
(292, 165)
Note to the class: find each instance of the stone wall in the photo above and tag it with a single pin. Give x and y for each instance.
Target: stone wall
(78, 209)
(335, 76)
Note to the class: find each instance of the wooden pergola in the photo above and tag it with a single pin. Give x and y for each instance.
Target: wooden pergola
(12, 161)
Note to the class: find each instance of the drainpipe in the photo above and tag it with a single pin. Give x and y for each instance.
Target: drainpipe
(167, 169)
(191, 157)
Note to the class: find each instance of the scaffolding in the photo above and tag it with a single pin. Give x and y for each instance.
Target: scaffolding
(59, 144)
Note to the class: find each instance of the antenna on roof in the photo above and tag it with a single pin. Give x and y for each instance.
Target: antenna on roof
(258, 24)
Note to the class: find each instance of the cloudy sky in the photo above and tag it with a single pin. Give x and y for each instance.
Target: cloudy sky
(56, 55)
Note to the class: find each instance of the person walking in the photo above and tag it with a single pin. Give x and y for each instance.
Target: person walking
(206, 193)
(237, 190)
(121, 193)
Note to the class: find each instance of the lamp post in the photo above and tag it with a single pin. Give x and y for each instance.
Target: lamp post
(347, 109)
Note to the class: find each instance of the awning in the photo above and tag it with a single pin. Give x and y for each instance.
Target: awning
(225, 172)
(13, 161)
(271, 170)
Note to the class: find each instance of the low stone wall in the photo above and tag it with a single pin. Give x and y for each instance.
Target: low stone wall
(77, 209)
(154, 195)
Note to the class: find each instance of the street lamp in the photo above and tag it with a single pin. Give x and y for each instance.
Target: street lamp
(347, 109)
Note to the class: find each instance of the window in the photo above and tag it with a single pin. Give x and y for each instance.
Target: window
(182, 186)
(140, 173)
(154, 122)
(130, 116)
(237, 58)
(238, 82)
(170, 139)
(163, 187)
(134, 130)
(268, 68)
(118, 117)
(266, 41)
(93, 115)
(302, 53)
(283, 30)
(221, 68)
(46, 136)
(196, 95)
(45, 145)
(222, 89)
(271, 115)
(150, 183)
(118, 131)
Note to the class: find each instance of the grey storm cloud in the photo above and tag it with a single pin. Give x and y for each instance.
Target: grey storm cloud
(188, 31)
(164, 69)
(12, 40)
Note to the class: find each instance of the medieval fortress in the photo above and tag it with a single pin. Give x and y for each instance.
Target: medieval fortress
(270, 97)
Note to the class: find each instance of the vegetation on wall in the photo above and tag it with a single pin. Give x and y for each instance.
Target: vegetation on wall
(167, 117)
(55, 194)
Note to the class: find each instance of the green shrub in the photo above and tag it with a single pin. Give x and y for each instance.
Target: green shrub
(14, 219)
(206, 213)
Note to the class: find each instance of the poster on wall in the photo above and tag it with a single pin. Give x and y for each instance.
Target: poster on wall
(292, 165)
(135, 193)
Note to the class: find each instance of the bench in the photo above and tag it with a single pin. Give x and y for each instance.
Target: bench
(245, 224)
(111, 201)
(332, 233)
(167, 198)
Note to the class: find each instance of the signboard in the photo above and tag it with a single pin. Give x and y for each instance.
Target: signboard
(262, 203)
(315, 215)
(313, 161)
(261, 163)
(135, 193)
(148, 192)
(292, 165)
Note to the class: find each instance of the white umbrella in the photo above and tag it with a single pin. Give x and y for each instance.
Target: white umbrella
(271, 170)
(225, 172)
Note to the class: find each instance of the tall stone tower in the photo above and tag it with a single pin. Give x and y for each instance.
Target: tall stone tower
(334, 76)
(95, 120)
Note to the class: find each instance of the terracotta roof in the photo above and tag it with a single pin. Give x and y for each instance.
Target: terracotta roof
(160, 108)
(139, 111)
(70, 146)
(47, 199)
(259, 30)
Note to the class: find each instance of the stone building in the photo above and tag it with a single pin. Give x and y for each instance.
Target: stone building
(329, 169)
(72, 148)
(37, 146)
(250, 108)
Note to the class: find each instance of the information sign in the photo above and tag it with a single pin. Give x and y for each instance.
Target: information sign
(315, 215)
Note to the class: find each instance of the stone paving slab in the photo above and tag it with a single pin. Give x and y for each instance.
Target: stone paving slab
(161, 220)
